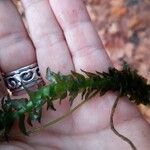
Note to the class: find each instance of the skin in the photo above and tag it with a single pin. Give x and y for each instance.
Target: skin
(63, 38)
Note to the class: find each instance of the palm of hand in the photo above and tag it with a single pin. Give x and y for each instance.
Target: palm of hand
(88, 128)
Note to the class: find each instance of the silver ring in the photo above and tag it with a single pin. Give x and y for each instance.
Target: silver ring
(22, 78)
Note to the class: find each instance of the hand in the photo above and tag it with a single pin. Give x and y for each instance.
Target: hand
(64, 39)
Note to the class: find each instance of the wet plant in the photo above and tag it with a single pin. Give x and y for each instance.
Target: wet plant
(126, 82)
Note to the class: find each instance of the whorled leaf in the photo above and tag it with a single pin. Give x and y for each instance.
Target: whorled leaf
(22, 124)
(127, 81)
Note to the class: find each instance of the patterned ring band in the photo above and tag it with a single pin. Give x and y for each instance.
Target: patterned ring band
(22, 78)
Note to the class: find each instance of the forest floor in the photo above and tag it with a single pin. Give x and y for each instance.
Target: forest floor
(124, 27)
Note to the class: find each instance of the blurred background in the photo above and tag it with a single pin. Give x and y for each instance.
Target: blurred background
(124, 27)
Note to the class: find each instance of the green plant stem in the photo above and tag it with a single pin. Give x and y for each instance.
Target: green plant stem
(35, 130)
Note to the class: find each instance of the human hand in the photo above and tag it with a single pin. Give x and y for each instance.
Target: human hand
(64, 39)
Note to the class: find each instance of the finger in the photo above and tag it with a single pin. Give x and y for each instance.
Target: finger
(88, 54)
(16, 49)
(51, 48)
(48, 38)
(82, 39)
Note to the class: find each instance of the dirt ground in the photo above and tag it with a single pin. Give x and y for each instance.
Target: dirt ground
(124, 27)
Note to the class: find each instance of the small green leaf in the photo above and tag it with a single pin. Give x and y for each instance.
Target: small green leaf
(93, 94)
(22, 124)
(87, 94)
(63, 96)
(83, 94)
(35, 115)
(18, 104)
(50, 105)
(50, 76)
(73, 95)
(102, 92)
(89, 74)
(79, 77)
(29, 121)
(99, 73)
(39, 115)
